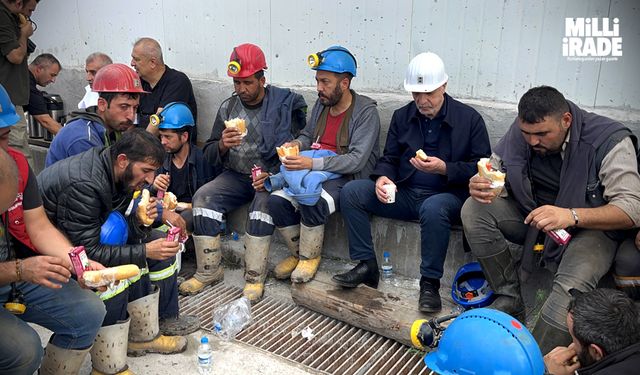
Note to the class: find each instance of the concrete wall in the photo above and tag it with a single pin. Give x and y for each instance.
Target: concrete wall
(493, 50)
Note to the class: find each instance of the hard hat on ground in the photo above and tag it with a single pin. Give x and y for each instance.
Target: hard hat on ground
(175, 115)
(470, 288)
(335, 59)
(114, 231)
(245, 60)
(8, 115)
(117, 78)
(486, 341)
(425, 73)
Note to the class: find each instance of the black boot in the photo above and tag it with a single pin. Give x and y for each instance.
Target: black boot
(548, 336)
(366, 272)
(502, 274)
(429, 301)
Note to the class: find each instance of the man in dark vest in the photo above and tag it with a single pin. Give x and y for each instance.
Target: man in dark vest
(567, 169)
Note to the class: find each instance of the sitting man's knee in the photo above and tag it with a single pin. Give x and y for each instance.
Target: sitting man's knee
(25, 354)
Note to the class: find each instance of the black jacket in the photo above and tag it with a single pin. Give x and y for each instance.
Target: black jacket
(463, 141)
(622, 362)
(78, 194)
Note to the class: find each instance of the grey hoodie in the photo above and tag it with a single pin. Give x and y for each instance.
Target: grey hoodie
(364, 145)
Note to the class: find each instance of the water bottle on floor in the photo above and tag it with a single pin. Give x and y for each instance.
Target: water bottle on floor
(230, 319)
(387, 269)
(205, 357)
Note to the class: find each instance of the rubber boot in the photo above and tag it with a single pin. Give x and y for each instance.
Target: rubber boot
(501, 272)
(548, 336)
(291, 235)
(109, 351)
(256, 250)
(58, 361)
(209, 271)
(144, 331)
(310, 250)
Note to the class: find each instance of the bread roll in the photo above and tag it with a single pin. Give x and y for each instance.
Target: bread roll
(421, 155)
(169, 201)
(485, 169)
(23, 19)
(288, 151)
(107, 276)
(141, 211)
(237, 123)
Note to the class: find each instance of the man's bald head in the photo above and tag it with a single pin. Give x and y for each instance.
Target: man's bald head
(8, 181)
(150, 48)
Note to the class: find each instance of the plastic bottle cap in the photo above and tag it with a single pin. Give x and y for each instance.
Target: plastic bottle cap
(386, 254)
(217, 327)
(204, 340)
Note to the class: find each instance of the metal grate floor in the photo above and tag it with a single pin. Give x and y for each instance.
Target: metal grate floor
(337, 348)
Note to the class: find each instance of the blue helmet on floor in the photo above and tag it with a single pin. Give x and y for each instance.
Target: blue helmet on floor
(470, 288)
(335, 59)
(8, 115)
(114, 231)
(486, 341)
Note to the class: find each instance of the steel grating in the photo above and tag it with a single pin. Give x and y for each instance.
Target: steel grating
(336, 348)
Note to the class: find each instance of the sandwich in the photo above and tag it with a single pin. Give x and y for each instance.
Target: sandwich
(237, 123)
(497, 178)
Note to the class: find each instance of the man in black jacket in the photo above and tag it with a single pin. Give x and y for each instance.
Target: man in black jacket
(605, 327)
(430, 189)
(79, 193)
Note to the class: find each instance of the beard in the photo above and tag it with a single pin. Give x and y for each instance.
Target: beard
(585, 358)
(331, 100)
(128, 180)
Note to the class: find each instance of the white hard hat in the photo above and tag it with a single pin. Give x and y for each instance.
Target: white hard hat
(425, 73)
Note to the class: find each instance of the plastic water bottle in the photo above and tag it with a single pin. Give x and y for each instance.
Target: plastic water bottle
(205, 355)
(230, 319)
(387, 268)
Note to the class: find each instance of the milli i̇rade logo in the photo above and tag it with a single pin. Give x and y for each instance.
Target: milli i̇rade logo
(592, 39)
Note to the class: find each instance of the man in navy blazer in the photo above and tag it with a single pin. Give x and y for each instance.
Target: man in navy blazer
(404, 186)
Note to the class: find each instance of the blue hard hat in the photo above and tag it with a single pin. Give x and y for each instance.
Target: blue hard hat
(8, 115)
(470, 288)
(176, 115)
(335, 59)
(486, 341)
(114, 231)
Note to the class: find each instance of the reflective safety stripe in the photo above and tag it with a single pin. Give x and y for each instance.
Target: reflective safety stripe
(261, 216)
(280, 193)
(114, 290)
(329, 199)
(211, 214)
(165, 273)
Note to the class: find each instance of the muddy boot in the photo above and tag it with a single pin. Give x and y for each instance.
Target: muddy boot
(291, 235)
(109, 351)
(501, 272)
(144, 332)
(310, 250)
(209, 270)
(256, 250)
(58, 361)
(548, 336)
(180, 326)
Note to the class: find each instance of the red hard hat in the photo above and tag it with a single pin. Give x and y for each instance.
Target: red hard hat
(117, 78)
(245, 60)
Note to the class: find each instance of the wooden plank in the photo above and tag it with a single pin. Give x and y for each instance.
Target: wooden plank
(383, 313)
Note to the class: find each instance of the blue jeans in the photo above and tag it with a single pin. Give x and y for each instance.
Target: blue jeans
(436, 213)
(73, 314)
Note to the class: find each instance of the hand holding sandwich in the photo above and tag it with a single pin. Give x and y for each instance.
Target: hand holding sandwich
(231, 137)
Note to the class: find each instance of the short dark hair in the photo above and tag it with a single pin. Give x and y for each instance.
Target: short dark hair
(109, 96)
(184, 129)
(140, 146)
(607, 318)
(259, 74)
(45, 60)
(540, 102)
(344, 75)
